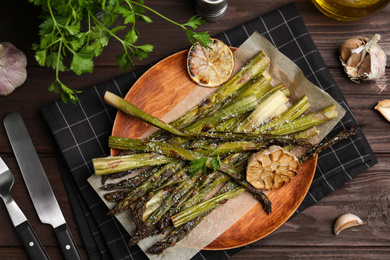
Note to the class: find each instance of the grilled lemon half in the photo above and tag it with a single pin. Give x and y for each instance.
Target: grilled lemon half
(210, 67)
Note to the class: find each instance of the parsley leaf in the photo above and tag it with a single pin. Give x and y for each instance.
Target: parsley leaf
(201, 163)
(194, 21)
(81, 64)
(198, 165)
(216, 162)
(143, 51)
(202, 37)
(40, 56)
(124, 61)
(132, 36)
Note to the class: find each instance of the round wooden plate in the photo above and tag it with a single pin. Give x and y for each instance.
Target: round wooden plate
(159, 90)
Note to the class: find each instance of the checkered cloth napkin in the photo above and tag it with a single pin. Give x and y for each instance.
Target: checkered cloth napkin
(81, 132)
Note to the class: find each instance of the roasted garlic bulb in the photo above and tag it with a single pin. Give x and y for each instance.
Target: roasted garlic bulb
(363, 58)
(271, 168)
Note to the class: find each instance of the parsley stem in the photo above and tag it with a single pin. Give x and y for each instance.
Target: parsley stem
(155, 12)
(62, 38)
(58, 61)
(53, 43)
(52, 17)
(89, 27)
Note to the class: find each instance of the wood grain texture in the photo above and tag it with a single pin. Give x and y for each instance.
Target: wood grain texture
(313, 253)
(12, 253)
(306, 236)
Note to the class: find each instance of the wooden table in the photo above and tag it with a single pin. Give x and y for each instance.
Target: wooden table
(307, 236)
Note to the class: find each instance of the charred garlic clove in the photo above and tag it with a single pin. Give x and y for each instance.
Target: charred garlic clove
(346, 221)
(13, 64)
(363, 58)
(271, 168)
(384, 108)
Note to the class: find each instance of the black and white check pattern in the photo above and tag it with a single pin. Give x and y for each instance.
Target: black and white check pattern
(81, 132)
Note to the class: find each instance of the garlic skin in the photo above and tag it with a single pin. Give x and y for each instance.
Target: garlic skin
(13, 71)
(346, 221)
(363, 58)
(384, 108)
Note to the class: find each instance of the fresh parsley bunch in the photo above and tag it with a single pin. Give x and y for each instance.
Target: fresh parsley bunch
(72, 31)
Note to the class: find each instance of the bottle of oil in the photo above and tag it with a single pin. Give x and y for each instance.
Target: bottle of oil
(349, 10)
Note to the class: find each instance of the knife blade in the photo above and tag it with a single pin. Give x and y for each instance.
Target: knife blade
(25, 231)
(38, 185)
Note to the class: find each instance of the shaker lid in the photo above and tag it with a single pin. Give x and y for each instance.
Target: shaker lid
(211, 6)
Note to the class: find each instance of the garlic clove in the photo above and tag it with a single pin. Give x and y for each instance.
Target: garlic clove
(384, 108)
(377, 63)
(346, 221)
(347, 47)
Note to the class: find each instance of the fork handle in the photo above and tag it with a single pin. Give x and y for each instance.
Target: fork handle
(30, 241)
(26, 233)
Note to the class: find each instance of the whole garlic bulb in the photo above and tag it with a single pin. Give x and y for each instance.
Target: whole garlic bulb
(271, 168)
(363, 58)
(13, 71)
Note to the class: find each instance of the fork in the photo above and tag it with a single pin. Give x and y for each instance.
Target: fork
(26, 233)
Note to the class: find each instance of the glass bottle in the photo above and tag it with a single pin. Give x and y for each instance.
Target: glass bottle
(350, 10)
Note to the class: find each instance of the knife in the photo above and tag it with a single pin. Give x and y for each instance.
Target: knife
(26, 233)
(38, 185)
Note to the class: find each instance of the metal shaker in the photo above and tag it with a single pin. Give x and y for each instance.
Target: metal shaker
(211, 10)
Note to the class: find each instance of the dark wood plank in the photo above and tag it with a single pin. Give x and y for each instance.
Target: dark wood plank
(12, 253)
(320, 252)
(308, 235)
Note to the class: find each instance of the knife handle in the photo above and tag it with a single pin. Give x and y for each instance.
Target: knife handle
(30, 241)
(67, 244)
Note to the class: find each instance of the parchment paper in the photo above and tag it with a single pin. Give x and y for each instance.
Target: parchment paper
(282, 70)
